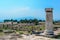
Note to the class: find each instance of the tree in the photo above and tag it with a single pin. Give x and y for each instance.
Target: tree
(35, 21)
(11, 20)
(6, 20)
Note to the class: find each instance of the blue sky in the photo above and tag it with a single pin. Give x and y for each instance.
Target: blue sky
(20, 9)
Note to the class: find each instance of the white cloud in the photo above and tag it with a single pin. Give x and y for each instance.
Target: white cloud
(15, 10)
(23, 9)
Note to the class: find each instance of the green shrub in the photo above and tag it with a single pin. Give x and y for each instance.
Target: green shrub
(58, 33)
(21, 32)
(1, 30)
(42, 28)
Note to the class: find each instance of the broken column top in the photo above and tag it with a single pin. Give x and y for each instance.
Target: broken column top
(48, 9)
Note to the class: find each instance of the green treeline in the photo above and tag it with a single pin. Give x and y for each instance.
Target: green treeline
(25, 21)
(36, 21)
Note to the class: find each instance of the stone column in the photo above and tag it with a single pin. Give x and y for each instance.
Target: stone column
(49, 21)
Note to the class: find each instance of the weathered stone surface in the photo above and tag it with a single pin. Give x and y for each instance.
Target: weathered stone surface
(49, 22)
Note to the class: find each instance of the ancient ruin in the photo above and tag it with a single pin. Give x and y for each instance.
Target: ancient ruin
(49, 22)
